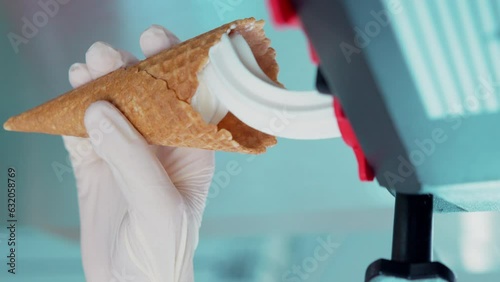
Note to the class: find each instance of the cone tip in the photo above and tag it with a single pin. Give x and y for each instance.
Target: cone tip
(7, 125)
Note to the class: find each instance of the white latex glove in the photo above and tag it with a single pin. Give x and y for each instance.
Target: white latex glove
(140, 206)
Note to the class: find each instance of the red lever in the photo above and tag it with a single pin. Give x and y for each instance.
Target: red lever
(283, 13)
(365, 170)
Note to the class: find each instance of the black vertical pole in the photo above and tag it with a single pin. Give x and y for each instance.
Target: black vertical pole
(412, 235)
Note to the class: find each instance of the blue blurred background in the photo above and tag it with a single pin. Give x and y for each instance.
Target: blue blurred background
(260, 223)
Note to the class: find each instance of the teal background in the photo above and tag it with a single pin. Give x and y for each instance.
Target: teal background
(265, 220)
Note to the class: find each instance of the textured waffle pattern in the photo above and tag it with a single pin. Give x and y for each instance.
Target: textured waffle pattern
(155, 96)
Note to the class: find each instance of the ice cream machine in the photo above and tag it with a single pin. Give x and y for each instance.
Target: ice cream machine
(414, 90)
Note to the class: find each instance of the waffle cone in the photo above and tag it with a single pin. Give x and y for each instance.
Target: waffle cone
(155, 96)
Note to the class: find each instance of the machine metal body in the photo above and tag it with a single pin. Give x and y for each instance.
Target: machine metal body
(441, 162)
(409, 151)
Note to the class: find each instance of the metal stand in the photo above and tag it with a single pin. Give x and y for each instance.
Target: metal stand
(411, 245)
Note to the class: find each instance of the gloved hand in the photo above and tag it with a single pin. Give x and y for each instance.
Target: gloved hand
(140, 206)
